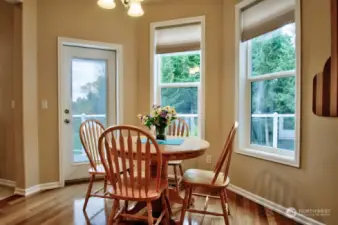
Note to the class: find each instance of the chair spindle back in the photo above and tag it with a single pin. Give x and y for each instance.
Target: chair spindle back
(178, 128)
(90, 132)
(122, 145)
(225, 158)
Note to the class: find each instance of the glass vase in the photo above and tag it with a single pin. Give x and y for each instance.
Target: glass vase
(160, 133)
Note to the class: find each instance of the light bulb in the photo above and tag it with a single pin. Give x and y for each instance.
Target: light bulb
(106, 4)
(135, 9)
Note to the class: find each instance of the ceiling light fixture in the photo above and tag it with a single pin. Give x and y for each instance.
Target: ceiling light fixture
(135, 9)
(134, 6)
(106, 4)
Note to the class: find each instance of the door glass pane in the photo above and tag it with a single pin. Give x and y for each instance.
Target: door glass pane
(89, 98)
(273, 113)
(183, 99)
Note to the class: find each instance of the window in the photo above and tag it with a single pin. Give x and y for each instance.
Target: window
(268, 81)
(177, 77)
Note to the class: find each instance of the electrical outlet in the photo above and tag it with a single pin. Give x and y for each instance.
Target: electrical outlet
(209, 159)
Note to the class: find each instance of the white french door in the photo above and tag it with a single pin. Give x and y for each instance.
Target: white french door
(88, 91)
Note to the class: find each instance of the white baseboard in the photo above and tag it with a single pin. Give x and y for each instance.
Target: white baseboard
(49, 186)
(7, 183)
(300, 218)
(37, 188)
(27, 191)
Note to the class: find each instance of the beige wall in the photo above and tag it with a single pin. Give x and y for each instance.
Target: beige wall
(11, 152)
(6, 83)
(314, 185)
(30, 94)
(167, 10)
(81, 19)
(17, 97)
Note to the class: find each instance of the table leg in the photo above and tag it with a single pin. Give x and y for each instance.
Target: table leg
(171, 195)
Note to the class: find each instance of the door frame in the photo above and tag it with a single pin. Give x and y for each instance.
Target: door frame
(64, 41)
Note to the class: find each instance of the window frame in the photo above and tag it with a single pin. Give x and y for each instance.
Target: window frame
(155, 81)
(243, 91)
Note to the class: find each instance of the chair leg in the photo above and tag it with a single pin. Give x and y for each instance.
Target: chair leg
(181, 169)
(176, 179)
(166, 197)
(227, 201)
(165, 208)
(89, 191)
(190, 198)
(105, 184)
(182, 173)
(150, 213)
(225, 213)
(113, 212)
(188, 192)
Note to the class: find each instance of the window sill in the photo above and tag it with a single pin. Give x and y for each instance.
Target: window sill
(285, 159)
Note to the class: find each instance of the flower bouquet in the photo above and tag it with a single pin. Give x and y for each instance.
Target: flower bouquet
(160, 118)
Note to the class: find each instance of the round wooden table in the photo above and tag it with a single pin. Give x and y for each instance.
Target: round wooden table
(192, 147)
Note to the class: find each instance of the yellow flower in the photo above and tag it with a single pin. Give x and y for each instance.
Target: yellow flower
(159, 110)
(173, 111)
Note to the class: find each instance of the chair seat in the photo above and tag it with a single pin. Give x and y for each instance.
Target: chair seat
(175, 163)
(127, 191)
(204, 178)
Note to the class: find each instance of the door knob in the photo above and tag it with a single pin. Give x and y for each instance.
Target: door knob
(66, 111)
(67, 121)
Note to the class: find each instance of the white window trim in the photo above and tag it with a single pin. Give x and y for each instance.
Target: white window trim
(242, 145)
(155, 85)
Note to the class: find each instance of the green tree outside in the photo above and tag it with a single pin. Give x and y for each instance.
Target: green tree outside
(176, 68)
(271, 53)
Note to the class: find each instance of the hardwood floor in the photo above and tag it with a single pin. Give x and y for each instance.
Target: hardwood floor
(64, 207)
(5, 192)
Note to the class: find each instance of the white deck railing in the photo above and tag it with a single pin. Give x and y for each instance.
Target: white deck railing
(89, 116)
(278, 127)
(279, 132)
(188, 117)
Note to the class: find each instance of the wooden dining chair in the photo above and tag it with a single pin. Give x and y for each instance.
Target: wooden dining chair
(90, 132)
(214, 181)
(124, 143)
(178, 128)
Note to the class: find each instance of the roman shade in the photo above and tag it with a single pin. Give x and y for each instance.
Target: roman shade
(266, 16)
(186, 37)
